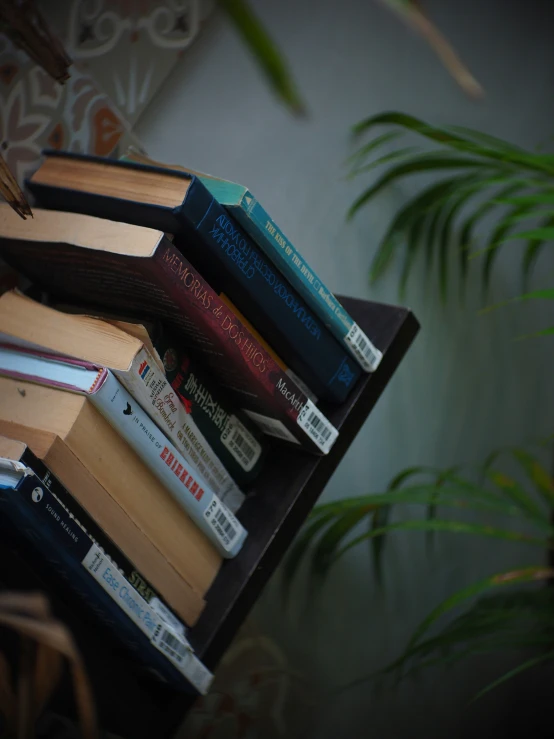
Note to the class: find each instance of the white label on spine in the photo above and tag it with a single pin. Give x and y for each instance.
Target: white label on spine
(272, 427)
(166, 639)
(223, 522)
(361, 347)
(165, 614)
(241, 444)
(318, 428)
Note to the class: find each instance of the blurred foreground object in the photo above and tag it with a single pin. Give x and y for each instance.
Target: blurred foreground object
(25, 26)
(43, 643)
(11, 192)
(411, 12)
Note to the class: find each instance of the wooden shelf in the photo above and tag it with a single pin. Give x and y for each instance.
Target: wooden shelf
(280, 501)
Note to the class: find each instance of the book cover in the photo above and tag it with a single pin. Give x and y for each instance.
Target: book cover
(255, 220)
(231, 434)
(149, 386)
(56, 544)
(27, 323)
(122, 411)
(99, 537)
(227, 257)
(118, 490)
(137, 270)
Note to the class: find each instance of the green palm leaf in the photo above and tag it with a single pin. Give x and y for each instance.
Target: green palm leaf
(533, 249)
(516, 671)
(506, 154)
(417, 165)
(509, 578)
(452, 527)
(496, 172)
(326, 548)
(265, 51)
(299, 549)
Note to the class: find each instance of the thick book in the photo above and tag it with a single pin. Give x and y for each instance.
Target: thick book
(233, 436)
(58, 544)
(117, 489)
(20, 455)
(134, 425)
(138, 270)
(26, 322)
(255, 220)
(211, 239)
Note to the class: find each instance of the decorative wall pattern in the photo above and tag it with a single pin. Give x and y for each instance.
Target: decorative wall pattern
(130, 46)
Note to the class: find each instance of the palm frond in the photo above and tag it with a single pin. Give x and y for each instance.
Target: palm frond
(265, 51)
(495, 621)
(484, 176)
(533, 662)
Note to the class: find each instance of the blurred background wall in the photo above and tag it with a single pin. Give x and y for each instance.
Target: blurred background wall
(466, 387)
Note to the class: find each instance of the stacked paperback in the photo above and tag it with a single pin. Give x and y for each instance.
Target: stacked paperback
(178, 336)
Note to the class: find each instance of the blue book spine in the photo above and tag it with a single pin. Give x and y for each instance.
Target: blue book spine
(269, 237)
(31, 516)
(233, 264)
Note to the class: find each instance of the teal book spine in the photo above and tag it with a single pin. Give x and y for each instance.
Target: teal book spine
(273, 242)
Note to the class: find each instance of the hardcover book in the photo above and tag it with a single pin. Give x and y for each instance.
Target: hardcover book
(138, 270)
(114, 485)
(30, 324)
(58, 544)
(255, 220)
(127, 417)
(215, 244)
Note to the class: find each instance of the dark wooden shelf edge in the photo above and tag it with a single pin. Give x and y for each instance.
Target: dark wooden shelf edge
(213, 647)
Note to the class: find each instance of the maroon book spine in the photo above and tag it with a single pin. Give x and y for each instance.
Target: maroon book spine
(241, 362)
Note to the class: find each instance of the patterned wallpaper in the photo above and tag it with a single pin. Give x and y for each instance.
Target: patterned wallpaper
(123, 50)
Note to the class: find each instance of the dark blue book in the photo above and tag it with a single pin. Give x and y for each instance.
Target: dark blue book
(233, 264)
(58, 547)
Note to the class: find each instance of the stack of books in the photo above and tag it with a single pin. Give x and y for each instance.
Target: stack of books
(171, 333)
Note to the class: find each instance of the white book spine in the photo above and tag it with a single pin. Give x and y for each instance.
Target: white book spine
(150, 387)
(123, 412)
(168, 639)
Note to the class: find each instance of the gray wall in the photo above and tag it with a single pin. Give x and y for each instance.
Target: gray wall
(466, 386)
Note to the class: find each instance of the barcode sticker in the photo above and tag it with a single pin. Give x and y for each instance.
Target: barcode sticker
(318, 428)
(170, 643)
(240, 443)
(223, 523)
(161, 610)
(180, 654)
(272, 427)
(168, 640)
(362, 349)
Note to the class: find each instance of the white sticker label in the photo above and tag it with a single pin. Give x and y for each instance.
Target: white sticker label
(222, 522)
(180, 654)
(241, 444)
(272, 427)
(165, 614)
(167, 640)
(361, 347)
(318, 428)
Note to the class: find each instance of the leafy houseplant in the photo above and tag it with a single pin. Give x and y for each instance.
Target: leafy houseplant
(482, 176)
